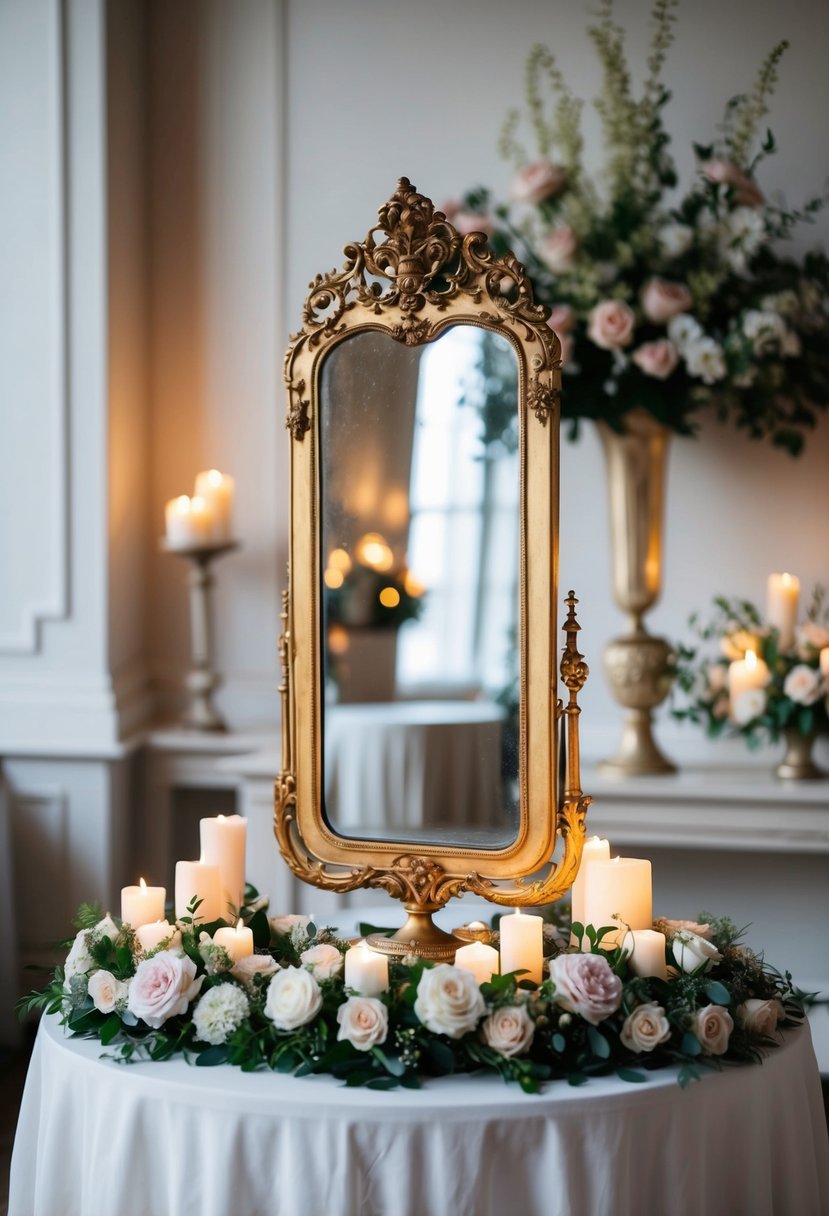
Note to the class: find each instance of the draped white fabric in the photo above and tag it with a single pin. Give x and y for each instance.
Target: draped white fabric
(408, 765)
(96, 1139)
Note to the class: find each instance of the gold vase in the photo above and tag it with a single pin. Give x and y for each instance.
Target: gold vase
(638, 666)
(797, 764)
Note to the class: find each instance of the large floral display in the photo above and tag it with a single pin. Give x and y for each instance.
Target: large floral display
(281, 993)
(672, 300)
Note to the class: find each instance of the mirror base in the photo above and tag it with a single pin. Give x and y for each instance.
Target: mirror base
(420, 936)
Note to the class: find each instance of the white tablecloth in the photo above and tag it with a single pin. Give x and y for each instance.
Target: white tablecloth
(169, 1139)
(407, 765)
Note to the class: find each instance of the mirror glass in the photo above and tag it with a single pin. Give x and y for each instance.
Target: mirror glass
(419, 565)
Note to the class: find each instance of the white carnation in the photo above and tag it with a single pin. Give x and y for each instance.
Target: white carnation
(705, 358)
(219, 1012)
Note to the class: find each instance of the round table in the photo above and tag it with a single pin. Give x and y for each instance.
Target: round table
(98, 1139)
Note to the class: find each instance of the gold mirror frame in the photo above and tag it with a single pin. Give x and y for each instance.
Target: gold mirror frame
(413, 277)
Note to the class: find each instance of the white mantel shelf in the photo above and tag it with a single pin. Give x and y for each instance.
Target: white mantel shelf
(740, 809)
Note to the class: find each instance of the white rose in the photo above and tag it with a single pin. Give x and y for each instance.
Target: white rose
(163, 986)
(749, 705)
(324, 961)
(107, 928)
(704, 358)
(713, 1026)
(508, 1030)
(683, 331)
(247, 968)
(802, 684)
(760, 1017)
(364, 1022)
(449, 1001)
(645, 1028)
(78, 961)
(691, 950)
(106, 991)
(294, 998)
(676, 238)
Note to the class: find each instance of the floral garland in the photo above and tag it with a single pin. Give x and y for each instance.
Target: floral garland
(286, 1007)
(794, 693)
(669, 303)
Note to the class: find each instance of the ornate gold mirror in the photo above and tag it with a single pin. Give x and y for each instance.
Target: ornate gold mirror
(420, 713)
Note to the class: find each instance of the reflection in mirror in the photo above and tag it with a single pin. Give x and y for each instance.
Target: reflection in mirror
(420, 489)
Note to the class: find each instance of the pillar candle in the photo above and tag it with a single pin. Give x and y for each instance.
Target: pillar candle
(154, 933)
(188, 522)
(142, 904)
(194, 878)
(824, 662)
(522, 944)
(481, 960)
(745, 675)
(619, 887)
(645, 949)
(782, 597)
(238, 941)
(217, 491)
(366, 971)
(594, 849)
(223, 842)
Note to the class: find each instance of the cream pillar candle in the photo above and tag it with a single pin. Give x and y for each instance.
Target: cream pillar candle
(479, 959)
(238, 941)
(824, 662)
(645, 949)
(153, 934)
(783, 593)
(194, 878)
(142, 904)
(366, 971)
(619, 887)
(522, 944)
(744, 675)
(217, 491)
(223, 842)
(188, 522)
(595, 849)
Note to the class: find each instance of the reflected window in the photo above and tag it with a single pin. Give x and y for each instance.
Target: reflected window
(463, 535)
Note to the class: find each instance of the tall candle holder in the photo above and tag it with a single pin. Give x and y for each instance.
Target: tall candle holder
(202, 680)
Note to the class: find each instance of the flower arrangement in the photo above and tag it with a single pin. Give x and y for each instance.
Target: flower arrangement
(369, 591)
(288, 1007)
(666, 301)
(788, 684)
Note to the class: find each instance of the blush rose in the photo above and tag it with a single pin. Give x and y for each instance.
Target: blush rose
(538, 181)
(712, 1027)
(322, 961)
(610, 324)
(558, 249)
(364, 1022)
(657, 359)
(645, 1028)
(662, 300)
(586, 985)
(724, 173)
(509, 1030)
(163, 986)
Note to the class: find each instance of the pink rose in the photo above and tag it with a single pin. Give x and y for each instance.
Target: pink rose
(509, 1030)
(466, 221)
(645, 1028)
(558, 249)
(802, 684)
(561, 318)
(657, 359)
(611, 324)
(663, 300)
(724, 173)
(584, 984)
(538, 181)
(363, 1021)
(713, 1026)
(162, 987)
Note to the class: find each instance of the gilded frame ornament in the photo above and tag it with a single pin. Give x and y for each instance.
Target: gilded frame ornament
(413, 277)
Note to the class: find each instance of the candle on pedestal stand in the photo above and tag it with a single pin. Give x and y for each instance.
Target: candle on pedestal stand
(216, 490)
(620, 888)
(783, 593)
(142, 904)
(522, 944)
(223, 842)
(366, 971)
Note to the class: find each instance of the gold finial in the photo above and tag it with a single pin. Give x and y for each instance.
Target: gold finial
(574, 670)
